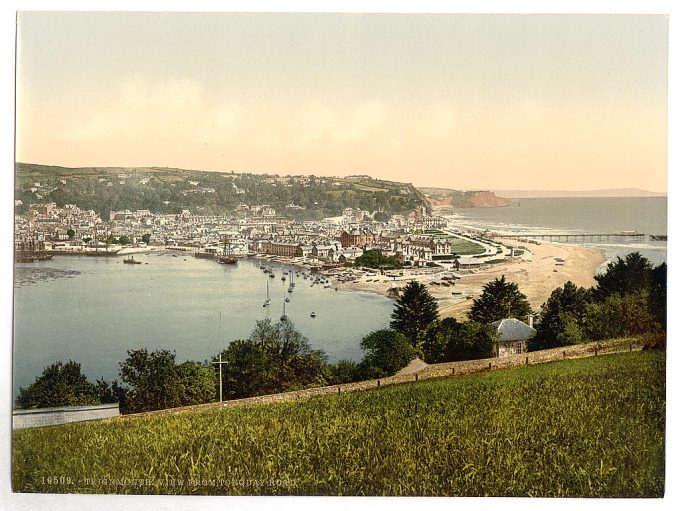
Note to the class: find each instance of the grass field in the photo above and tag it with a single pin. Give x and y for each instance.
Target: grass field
(459, 246)
(590, 427)
(465, 247)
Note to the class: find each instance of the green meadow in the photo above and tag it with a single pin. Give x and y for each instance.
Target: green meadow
(577, 428)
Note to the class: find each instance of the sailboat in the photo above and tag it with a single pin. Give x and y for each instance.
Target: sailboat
(267, 301)
(292, 283)
(283, 316)
(226, 257)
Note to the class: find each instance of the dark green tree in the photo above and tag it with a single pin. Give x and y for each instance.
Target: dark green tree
(374, 258)
(462, 341)
(633, 273)
(111, 393)
(59, 385)
(248, 370)
(658, 294)
(387, 350)
(275, 358)
(343, 371)
(124, 240)
(562, 316)
(70, 233)
(196, 383)
(415, 313)
(620, 316)
(152, 380)
(499, 300)
(381, 216)
(435, 347)
(146, 238)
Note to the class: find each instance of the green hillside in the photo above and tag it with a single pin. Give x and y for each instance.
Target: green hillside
(167, 190)
(592, 427)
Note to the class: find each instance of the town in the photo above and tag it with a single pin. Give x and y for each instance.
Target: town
(415, 240)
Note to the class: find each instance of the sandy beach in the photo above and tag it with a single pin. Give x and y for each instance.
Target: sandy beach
(538, 271)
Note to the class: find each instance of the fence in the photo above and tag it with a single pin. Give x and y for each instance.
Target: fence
(38, 417)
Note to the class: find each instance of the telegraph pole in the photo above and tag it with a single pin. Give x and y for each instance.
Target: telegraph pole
(220, 364)
(219, 334)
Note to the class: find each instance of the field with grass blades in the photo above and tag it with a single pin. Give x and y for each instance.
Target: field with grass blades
(591, 427)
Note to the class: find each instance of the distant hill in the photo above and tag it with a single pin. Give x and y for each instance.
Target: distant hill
(607, 192)
(444, 198)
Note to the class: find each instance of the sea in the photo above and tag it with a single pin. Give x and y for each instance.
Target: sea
(569, 215)
(93, 310)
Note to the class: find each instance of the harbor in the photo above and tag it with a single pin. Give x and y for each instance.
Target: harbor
(173, 303)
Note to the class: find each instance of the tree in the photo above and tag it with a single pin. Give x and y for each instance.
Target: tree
(112, 393)
(196, 383)
(374, 258)
(343, 371)
(462, 341)
(146, 238)
(70, 233)
(435, 347)
(275, 358)
(387, 350)
(415, 313)
(247, 371)
(381, 216)
(634, 273)
(59, 385)
(152, 380)
(658, 294)
(124, 240)
(499, 300)
(620, 316)
(561, 316)
(156, 382)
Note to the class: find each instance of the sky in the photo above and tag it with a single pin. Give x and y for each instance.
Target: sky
(513, 101)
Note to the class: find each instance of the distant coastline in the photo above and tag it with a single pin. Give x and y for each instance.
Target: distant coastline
(601, 193)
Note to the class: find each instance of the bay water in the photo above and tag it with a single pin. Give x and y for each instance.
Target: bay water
(92, 310)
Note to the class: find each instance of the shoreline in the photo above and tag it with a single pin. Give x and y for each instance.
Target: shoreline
(538, 271)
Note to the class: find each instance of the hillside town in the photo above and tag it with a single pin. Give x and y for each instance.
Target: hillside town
(415, 240)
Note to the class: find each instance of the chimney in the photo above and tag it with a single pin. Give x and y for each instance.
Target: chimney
(531, 320)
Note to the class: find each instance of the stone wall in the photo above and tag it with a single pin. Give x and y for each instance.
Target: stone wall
(448, 369)
(38, 417)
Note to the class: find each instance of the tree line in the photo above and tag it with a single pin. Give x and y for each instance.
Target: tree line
(629, 299)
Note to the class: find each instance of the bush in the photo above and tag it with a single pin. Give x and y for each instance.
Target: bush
(388, 350)
(343, 371)
(620, 316)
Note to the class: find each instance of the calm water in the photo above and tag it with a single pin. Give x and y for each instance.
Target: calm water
(92, 310)
(580, 215)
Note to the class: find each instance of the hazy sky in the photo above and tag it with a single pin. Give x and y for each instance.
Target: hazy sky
(461, 101)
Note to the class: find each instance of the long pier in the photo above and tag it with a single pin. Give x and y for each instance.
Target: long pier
(584, 236)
